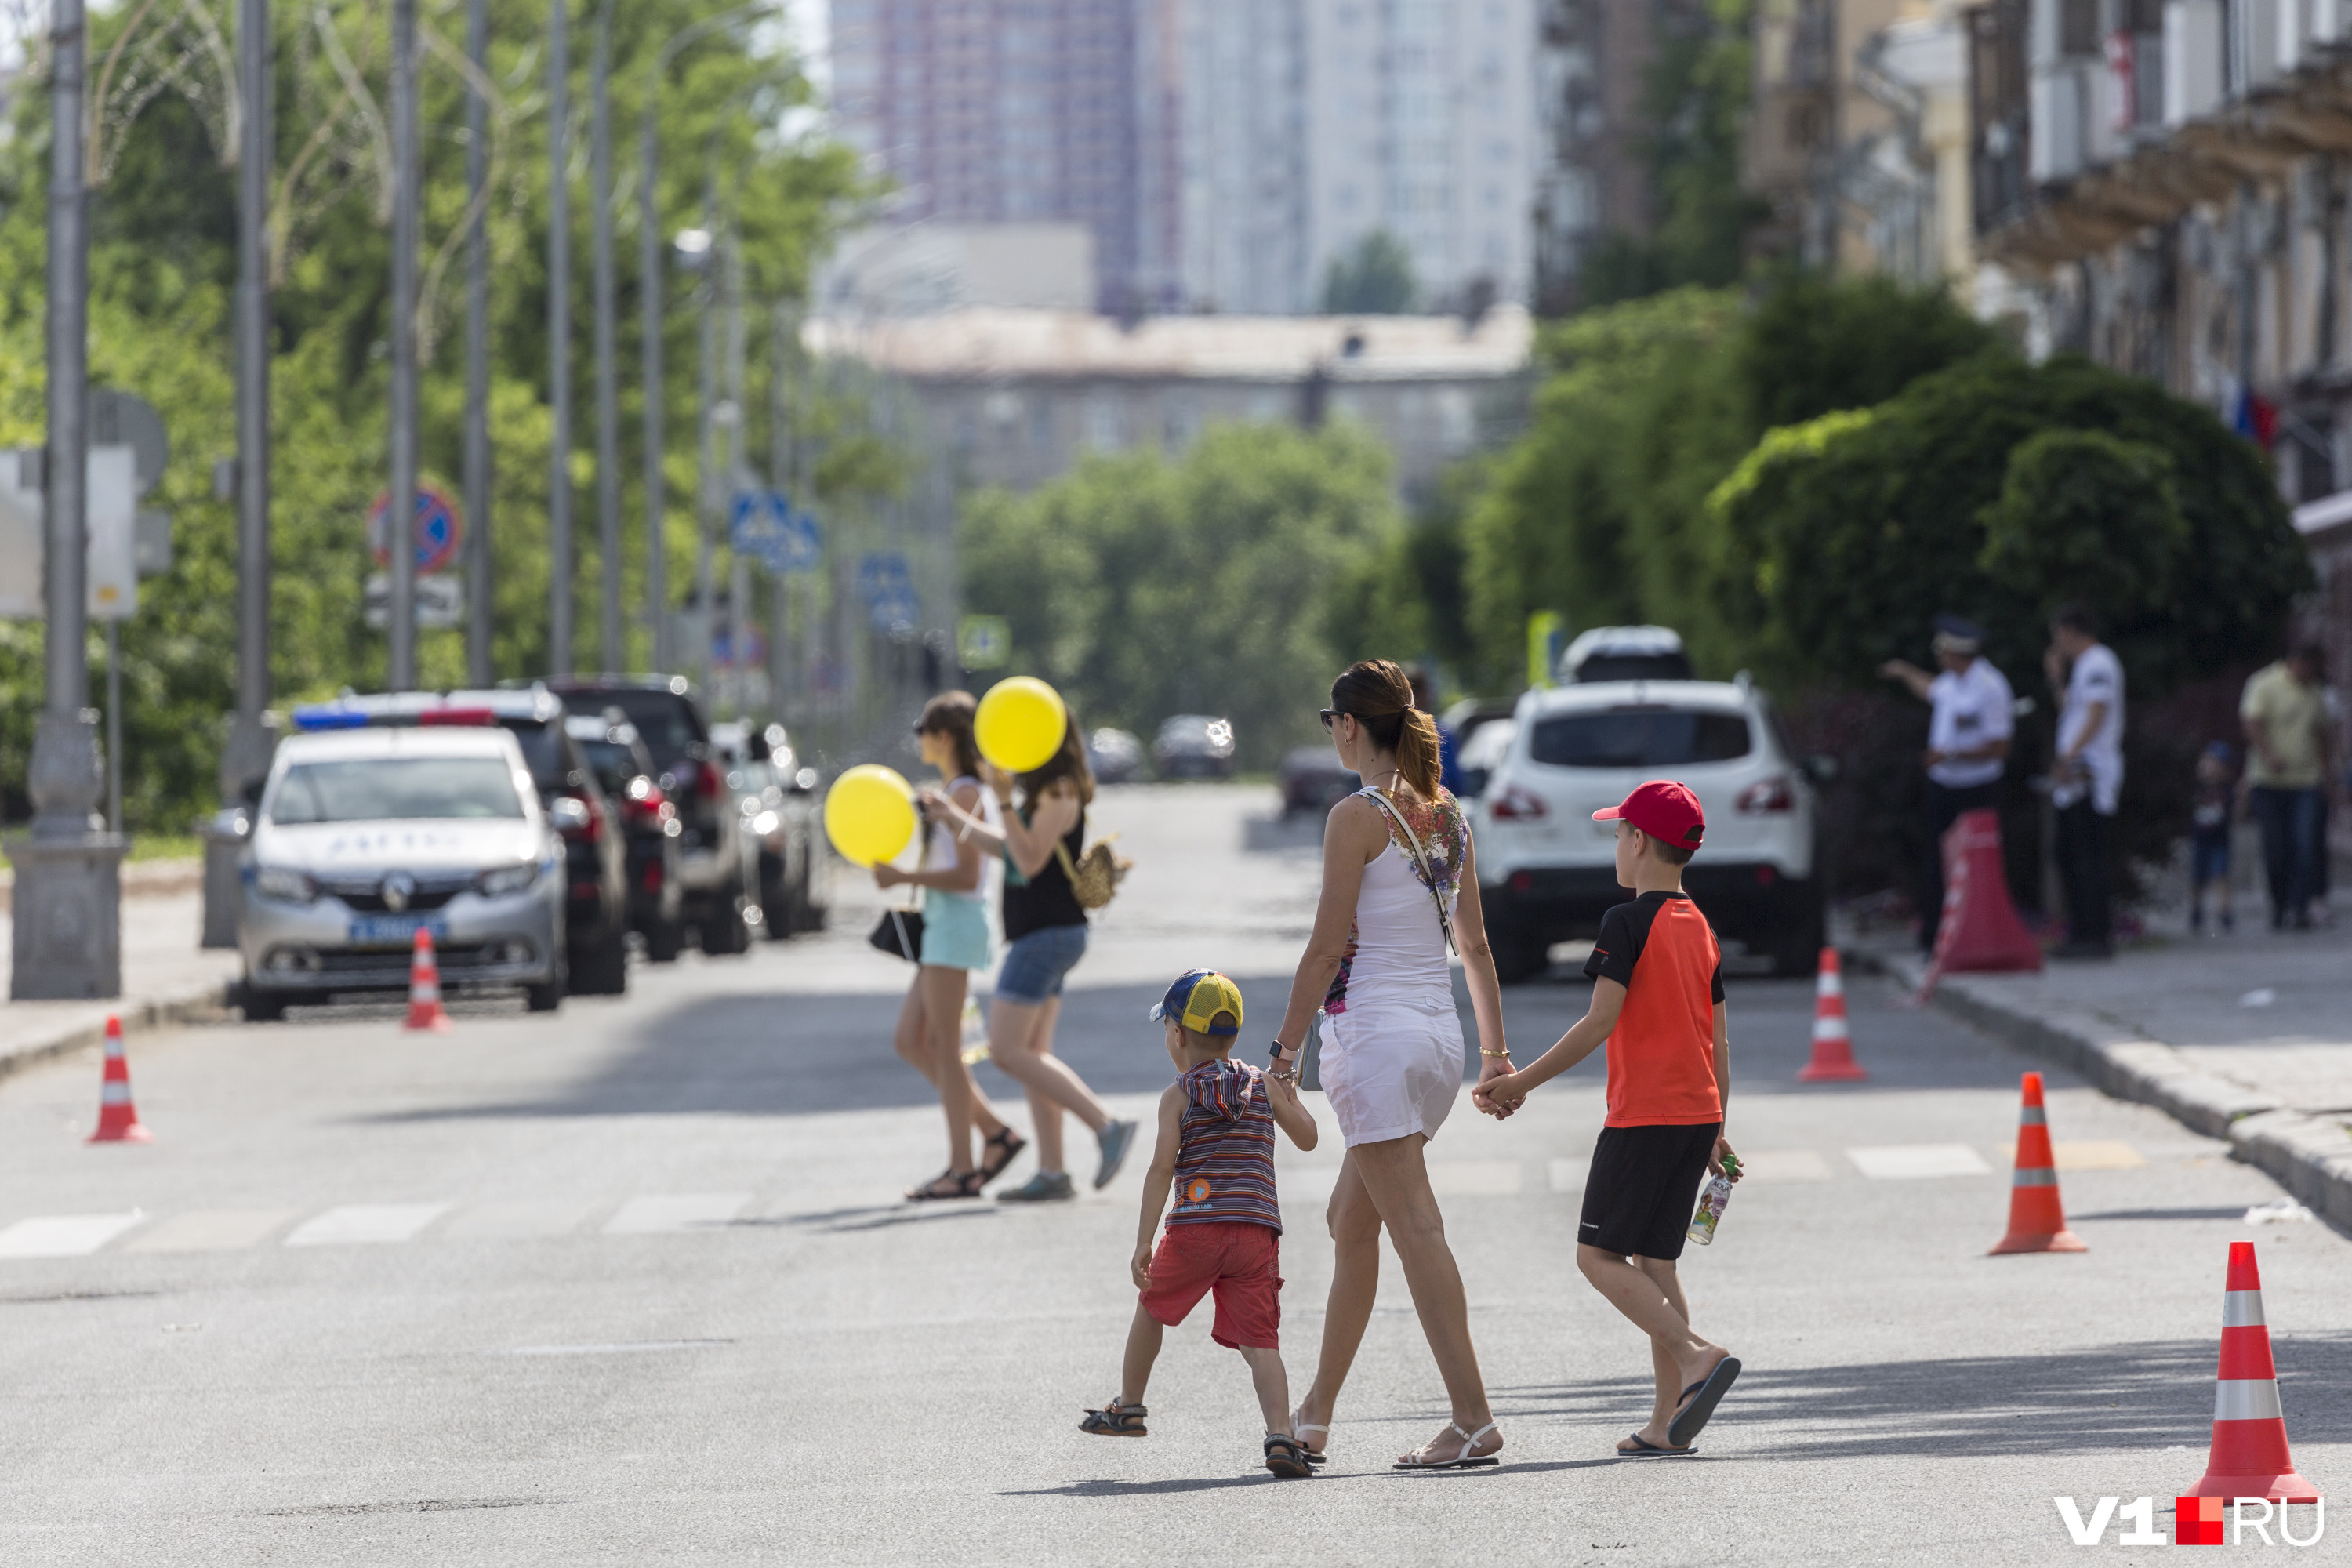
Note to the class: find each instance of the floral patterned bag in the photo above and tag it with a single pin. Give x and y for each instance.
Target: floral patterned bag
(1429, 877)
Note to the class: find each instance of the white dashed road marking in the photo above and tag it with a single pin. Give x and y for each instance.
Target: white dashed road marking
(366, 1224)
(64, 1234)
(210, 1230)
(1913, 1162)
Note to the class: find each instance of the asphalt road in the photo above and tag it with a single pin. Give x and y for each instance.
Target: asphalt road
(631, 1285)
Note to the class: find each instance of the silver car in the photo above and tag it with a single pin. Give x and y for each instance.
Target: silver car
(366, 836)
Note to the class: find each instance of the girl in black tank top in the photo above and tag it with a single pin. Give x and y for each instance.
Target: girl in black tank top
(1045, 936)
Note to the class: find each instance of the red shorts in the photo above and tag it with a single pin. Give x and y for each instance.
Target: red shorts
(1239, 1260)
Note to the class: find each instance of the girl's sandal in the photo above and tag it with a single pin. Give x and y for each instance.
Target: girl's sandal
(947, 1184)
(1007, 1145)
(1116, 1420)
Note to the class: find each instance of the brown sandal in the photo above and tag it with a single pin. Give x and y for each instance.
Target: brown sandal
(1008, 1145)
(1116, 1420)
(947, 1184)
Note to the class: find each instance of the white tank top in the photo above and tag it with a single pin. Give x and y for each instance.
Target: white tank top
(945, 854)
(1399, 947)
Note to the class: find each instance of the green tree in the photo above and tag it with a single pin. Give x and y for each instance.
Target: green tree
(2001, 490)
(1375, 279)
(1142, 586)
(163, 260)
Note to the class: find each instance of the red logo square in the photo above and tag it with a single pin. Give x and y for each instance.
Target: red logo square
(2197, 1521)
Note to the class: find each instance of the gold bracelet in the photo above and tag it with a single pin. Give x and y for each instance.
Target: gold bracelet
(1484, 1052)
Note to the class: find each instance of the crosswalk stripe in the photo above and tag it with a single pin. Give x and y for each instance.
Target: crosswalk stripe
(660, 1212)
(64, 1234)
(516, 1221)
(210, 1230)
(1784, 1165)
(1916, 1162)
(365, 1223)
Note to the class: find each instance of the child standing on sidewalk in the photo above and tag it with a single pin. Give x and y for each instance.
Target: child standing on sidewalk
(2208, 837)
(1216, 1151)
(1657, 1000)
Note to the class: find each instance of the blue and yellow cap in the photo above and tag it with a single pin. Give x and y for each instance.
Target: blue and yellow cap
(1196, 998)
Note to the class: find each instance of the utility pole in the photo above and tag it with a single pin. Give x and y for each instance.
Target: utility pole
(706, 423)
(559, 339)
(739, 576)
(69, 927)
(399, 517)
(656, 437)
(608, 413)
(477, 479)
(245, 760)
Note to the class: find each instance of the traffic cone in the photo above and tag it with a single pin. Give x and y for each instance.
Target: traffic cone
(424, 988)
(2248, 1458)
(118, 1118)
(1979, 930)
(1832, 1044)
(2037, 1220)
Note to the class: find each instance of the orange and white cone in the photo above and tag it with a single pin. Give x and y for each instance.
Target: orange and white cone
(2037, 1220)
(1833, 1044)
(424, 988)
(2248, 1458)
(118, 1118)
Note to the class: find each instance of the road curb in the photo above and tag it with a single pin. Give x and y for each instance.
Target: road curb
(2309, 1156)
(192, 1004)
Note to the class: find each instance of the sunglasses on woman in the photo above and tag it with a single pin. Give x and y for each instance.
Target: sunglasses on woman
(1330, 716)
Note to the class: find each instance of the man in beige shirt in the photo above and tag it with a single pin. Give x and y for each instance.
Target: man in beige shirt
(2287, 744)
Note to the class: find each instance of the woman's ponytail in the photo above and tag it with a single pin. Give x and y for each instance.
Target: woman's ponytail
(1416, 751)
(1380, 697)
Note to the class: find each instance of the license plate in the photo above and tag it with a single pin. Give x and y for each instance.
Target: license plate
(395, 930)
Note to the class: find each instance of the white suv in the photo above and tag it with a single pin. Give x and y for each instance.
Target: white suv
(1547, 870)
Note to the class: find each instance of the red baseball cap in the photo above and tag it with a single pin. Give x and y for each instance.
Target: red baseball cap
(1663, 810)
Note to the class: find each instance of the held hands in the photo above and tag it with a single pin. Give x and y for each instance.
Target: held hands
(1714, 1161)
(1501, 1094)
(1139, 1267)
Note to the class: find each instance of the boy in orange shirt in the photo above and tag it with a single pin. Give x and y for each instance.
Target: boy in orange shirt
(1657, 1000)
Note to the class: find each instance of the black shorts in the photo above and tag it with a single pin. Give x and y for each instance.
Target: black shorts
(1643, 1187)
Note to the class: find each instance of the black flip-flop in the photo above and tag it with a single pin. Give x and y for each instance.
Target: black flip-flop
(1643, 1450)
(1701, 1398)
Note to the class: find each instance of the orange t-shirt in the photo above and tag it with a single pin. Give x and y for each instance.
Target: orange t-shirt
(1662, 1052)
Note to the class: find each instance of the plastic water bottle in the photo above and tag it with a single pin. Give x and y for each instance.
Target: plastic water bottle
(1711, 1203)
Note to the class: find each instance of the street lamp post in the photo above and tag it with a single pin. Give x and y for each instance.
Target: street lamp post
(559, 338)
(650, 316)
(67, 936)
(477, 479)
(400, 516)
(608, 414)
(245, 758)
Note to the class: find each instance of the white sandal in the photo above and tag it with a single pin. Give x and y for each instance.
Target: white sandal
(1299, 1430)
(1463, 1460)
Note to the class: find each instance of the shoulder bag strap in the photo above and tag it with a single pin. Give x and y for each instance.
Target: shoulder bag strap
(1429, 878)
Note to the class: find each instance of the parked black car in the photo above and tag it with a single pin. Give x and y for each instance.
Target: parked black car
(1313, 780)
(777, 797)
(718, 866)
(649, 829)
(1193, 746)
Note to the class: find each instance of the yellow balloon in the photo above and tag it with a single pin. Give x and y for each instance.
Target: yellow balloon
(869, 814)
(1020, 724)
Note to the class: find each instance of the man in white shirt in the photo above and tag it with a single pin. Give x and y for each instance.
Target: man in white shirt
(1969, 732)
(2087, 776)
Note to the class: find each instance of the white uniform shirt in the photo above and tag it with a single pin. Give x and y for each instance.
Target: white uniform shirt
(2097, 677)
(1971, 708)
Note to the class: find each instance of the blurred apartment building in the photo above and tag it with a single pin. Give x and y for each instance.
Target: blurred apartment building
(2168, 185)
(1222, 153)
(1858, 137)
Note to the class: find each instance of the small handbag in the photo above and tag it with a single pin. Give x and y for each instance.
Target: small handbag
(1094, 878)
(899, 933)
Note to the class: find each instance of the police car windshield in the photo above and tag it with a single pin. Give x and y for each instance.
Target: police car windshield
(392, 789)
(1639, 738)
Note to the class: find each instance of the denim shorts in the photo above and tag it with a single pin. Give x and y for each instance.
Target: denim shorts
(955, 930)
(1034, 964)
(2208, 855)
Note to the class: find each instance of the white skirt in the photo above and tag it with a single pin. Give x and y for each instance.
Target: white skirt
(1391, 1071)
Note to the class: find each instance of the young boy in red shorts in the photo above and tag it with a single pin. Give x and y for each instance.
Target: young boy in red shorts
(1657, 1000)
(1216, 1151)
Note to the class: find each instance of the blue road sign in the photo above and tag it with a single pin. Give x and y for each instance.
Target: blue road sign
(883, 573)
(762, 525)
(439, 528)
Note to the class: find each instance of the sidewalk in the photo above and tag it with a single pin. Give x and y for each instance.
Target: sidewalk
(165, 977)
(2247, 1037)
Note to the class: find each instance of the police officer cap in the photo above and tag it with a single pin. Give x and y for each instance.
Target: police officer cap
(1953, 630)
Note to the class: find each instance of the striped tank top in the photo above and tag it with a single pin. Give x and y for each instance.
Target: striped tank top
(1224, 1155)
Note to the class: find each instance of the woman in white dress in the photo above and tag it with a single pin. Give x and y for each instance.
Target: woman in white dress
(1392, 1052)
